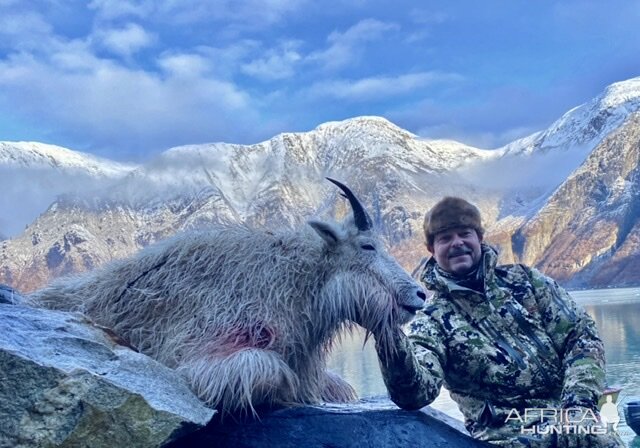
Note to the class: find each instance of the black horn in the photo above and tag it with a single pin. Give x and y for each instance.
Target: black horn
(360, 215)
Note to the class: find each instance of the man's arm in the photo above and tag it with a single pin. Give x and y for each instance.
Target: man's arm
(412, 366)
(576, 338)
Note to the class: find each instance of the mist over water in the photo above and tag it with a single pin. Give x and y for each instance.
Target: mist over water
(615, 311)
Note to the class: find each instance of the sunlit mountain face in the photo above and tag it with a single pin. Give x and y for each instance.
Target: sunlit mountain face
(564, 199)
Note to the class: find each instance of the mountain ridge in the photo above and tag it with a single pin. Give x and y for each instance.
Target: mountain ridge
(32, 154)
(280, 182)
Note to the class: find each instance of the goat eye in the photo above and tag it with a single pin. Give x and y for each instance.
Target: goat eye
(368, 247)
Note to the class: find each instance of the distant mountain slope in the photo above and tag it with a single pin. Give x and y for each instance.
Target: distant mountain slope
(581, 227)
(276, 183)
(589, 228)
(586, 125)
(40, 155)
(34, 174)
(548, 157)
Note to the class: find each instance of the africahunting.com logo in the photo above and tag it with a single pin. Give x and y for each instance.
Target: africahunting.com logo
(545, 421)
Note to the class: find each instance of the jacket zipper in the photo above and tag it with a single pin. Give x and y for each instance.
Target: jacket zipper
(524, 347)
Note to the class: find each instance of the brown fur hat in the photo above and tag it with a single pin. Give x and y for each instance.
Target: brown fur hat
(449, 213)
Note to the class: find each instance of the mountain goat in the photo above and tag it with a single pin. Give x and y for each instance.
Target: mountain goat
(247, 315)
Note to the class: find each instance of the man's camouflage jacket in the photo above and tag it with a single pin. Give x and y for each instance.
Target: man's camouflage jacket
(521, 342)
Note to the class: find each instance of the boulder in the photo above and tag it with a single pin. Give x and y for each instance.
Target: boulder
(67, 383)
(372, 423)
(10, 295)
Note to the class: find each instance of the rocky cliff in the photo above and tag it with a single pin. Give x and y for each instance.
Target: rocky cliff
(588, 232)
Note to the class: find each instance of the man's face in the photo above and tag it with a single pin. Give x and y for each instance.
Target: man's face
(457, 250)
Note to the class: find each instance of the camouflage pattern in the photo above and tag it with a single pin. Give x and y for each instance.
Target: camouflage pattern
(521, 342)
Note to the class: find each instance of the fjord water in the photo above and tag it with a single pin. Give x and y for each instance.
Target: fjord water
(615, 311)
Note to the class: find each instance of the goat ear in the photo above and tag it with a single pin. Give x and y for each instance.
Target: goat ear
(328, 232)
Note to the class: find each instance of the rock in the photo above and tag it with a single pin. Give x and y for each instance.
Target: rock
(373, 423)
(10, 295)
(67, 383)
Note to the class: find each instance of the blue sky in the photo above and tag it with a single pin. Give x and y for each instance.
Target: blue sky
(129, 79)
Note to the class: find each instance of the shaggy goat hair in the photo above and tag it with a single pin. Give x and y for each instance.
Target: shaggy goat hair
(248, 315)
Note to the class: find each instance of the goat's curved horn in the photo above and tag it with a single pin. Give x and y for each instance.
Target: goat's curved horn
(360, 215)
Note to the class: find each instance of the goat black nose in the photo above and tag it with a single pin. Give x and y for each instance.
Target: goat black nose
(422, 295)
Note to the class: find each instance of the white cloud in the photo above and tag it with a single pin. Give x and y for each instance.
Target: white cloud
(418, 36)
(232, 16)
(225, 62)
(69, 57)
(114, 9)
(427, 17)
(108, 103)
(376, 88)
(364, 30)
(235, 13)
(344, 48)
(478, 139)
(516, 171)
(124, 41)
(277, 63)
(24, 30)
(184, 65)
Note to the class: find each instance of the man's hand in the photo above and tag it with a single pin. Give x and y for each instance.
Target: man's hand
(582, 428)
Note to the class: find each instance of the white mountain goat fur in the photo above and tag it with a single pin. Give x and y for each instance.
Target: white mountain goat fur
(246, 315)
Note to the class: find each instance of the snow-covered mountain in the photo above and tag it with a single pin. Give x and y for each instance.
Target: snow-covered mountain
(39, 155)
(280, 183)
(243, 171)
(34, 174)
(552, 154)
(588, 232)
(530, 169)
(583, 127)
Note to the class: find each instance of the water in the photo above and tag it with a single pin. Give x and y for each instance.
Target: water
(615, 311)
(617, 314)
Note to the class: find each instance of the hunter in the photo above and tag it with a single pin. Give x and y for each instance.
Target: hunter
(523, 362)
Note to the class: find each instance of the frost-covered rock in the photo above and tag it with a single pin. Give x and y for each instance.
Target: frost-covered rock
(10, 295)
(64, 382)
(374, 423)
